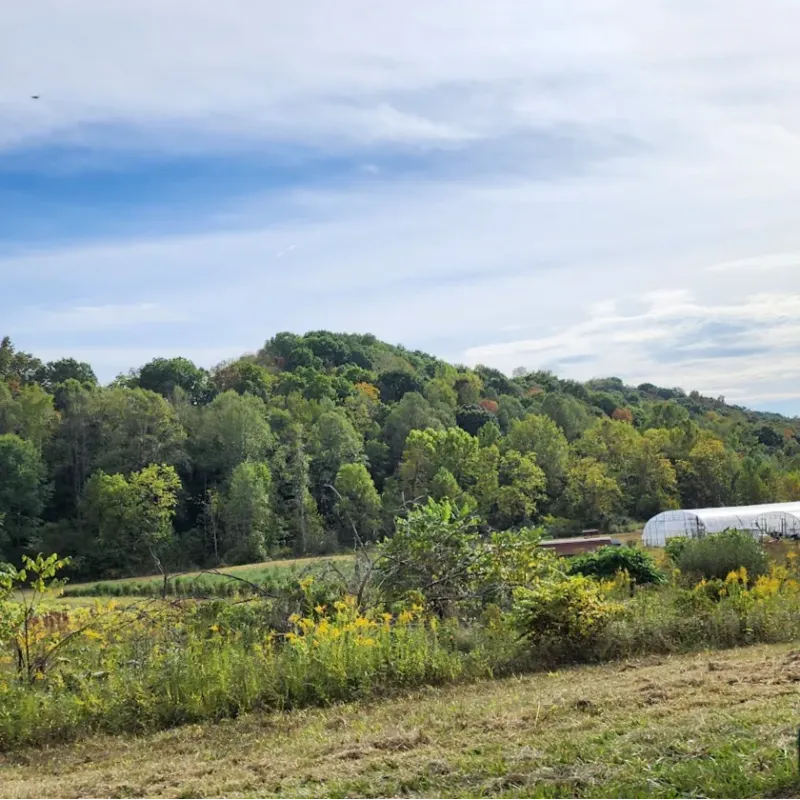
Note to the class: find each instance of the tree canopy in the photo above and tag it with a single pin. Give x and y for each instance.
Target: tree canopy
(315, 441)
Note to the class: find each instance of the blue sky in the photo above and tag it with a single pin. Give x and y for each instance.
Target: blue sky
(598, 187)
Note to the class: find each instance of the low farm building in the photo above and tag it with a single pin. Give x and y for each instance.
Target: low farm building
(579, 544)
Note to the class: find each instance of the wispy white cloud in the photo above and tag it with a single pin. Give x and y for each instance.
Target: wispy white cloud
(88, 318)
(629, 175)
(745, 350)
(768, 261)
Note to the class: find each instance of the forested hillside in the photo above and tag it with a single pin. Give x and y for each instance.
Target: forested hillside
(318, 439)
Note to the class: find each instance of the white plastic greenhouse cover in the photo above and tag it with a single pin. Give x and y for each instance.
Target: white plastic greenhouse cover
(772, 518)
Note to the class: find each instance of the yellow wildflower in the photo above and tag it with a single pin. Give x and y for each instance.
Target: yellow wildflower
(306, 624)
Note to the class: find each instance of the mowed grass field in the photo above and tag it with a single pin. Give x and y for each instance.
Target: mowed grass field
(247, 572)
(708, 725)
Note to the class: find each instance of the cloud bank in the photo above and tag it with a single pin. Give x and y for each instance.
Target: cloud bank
(599, 188)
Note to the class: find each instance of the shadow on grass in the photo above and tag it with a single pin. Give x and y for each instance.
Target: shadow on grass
(785, 789)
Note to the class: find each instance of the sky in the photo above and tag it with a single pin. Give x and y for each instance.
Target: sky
(596, 187)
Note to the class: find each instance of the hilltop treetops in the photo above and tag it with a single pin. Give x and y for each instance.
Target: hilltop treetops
(317, 442)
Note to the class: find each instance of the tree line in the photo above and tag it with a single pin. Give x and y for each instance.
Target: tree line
(318, 441)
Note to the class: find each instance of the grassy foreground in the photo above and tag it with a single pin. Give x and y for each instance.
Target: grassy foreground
(711, 725)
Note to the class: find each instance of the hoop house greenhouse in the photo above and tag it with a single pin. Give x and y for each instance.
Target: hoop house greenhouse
(776, 519)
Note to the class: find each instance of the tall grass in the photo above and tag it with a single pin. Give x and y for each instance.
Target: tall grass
(223, 583)
(143, 673)
(163, 664)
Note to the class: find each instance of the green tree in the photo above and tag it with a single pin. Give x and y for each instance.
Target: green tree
(308, 383)
(468, 387)
(521, 486)
(243, 376)
(333, 442)
(73, 450)
(413, 412)
(509, 409)
(489, 434)
(428, 451)
(288, 352)
(486, 482)
(30, 415)
(666, 415)
(358, 505)
(440, 392)
(22, 494)
(57, 372)
(134, 428)
(299, 513)
(706, 477)
(230, 430)
(653, 484)
(395, 384)
(472, 418)
(540, 436)
(164, 375)
(444, 486)
(568, 413)
(37, 419)
(593, 496)
(645, 476)
(249, 524)
(16, 367)
(755, 482)
(130, 518)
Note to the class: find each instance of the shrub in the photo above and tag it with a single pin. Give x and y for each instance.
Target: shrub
(434, 551)
(142, 669)
(675, 546)
(562, 617)
(561, 527)
(718, 554)
(606, 562)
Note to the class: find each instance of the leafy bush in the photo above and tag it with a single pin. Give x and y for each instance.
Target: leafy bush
(435, 551)
(711, 614)
(606, 562)
(149, 665)
(675, 546)
(562, 617)
(718, 554)
(560, 527)
(154, 666)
